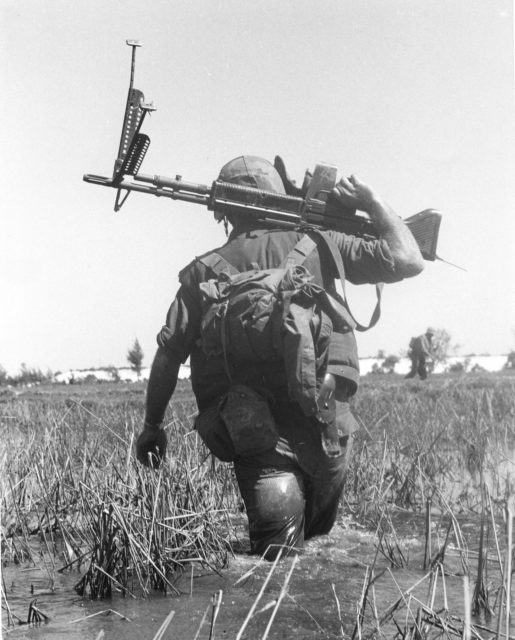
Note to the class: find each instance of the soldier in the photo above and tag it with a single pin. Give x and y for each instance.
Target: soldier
(290, 485)
(420, 349)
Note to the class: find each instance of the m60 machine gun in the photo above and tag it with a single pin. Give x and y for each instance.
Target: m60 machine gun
(310, 205)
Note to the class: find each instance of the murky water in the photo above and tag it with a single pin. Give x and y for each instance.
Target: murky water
(321, 600)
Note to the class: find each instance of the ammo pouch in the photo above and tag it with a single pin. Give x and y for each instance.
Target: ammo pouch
(249, 422)
(214, 434)
(240, 425)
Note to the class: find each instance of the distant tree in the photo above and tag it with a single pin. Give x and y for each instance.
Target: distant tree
(389, 363)
(4, 379)
(376, 368)
(442, 347)
(461, 366)
(30, 375)
(135, 357)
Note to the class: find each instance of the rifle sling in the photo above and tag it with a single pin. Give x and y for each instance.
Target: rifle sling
(338, 262)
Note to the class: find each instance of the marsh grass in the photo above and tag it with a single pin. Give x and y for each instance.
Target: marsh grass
(446, 450)
(73, 498)
(71, 480)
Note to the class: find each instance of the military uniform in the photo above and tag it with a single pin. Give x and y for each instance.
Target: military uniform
(291, 491)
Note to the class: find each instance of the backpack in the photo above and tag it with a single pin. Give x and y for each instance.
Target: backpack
(276, 314)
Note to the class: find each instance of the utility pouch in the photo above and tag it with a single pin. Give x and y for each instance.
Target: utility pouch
(334, 416)
(249, 421)
(213, 432)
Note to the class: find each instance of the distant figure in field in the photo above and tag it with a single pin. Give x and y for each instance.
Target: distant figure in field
(420, 348)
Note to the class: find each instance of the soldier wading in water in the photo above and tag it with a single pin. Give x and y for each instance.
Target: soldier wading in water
(273, 373)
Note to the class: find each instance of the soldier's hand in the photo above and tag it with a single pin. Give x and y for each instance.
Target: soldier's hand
(355, 194)
(151, 446)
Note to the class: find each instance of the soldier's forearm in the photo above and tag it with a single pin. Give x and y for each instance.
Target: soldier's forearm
(405, 251)
(161, 385)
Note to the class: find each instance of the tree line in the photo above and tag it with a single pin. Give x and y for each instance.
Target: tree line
(34, 375)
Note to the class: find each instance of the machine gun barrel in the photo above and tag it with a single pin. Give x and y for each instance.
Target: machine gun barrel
(174, 188)
(157, 186)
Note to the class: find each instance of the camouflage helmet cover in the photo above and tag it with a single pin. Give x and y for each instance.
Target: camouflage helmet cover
(253, 172)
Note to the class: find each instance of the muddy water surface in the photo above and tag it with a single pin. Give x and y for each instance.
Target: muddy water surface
(321, 600)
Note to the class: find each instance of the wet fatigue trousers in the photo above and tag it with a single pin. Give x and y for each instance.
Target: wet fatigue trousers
(291, 493)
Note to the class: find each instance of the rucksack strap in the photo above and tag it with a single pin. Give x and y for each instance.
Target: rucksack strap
(295, 257)
(338, 262)
(216, 263)
(219, 265)
(300, 252)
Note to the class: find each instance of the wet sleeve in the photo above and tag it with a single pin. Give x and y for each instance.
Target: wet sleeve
(366, 261)
(181, 331)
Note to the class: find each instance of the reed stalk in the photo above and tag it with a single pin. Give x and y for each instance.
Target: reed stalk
(427, 536)
(164, 626)
(259, 596)
(280, 597)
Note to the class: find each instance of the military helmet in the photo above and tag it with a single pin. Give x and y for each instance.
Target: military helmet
(430, 331)
(253, 172)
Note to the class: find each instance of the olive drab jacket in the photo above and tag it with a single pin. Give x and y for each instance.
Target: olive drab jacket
(253, 245)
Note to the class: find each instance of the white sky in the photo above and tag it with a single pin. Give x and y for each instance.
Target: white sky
(413, 96)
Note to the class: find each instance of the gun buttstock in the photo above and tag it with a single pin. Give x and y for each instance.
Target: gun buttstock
(425, 227)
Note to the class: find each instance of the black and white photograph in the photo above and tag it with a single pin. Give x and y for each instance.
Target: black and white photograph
(257, 347)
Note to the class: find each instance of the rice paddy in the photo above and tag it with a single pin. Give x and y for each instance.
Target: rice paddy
(422, 548)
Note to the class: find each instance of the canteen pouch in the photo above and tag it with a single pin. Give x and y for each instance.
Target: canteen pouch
(214, 434)
(249, 421)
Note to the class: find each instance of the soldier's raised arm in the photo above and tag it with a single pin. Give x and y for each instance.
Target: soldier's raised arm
(408, 260)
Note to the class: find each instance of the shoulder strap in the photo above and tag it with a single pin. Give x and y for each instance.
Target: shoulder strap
(299, 252)
(297, 255)
(216, 263)
(338, 262)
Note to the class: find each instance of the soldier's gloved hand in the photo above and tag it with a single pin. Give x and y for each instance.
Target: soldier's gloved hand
(151, 445)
